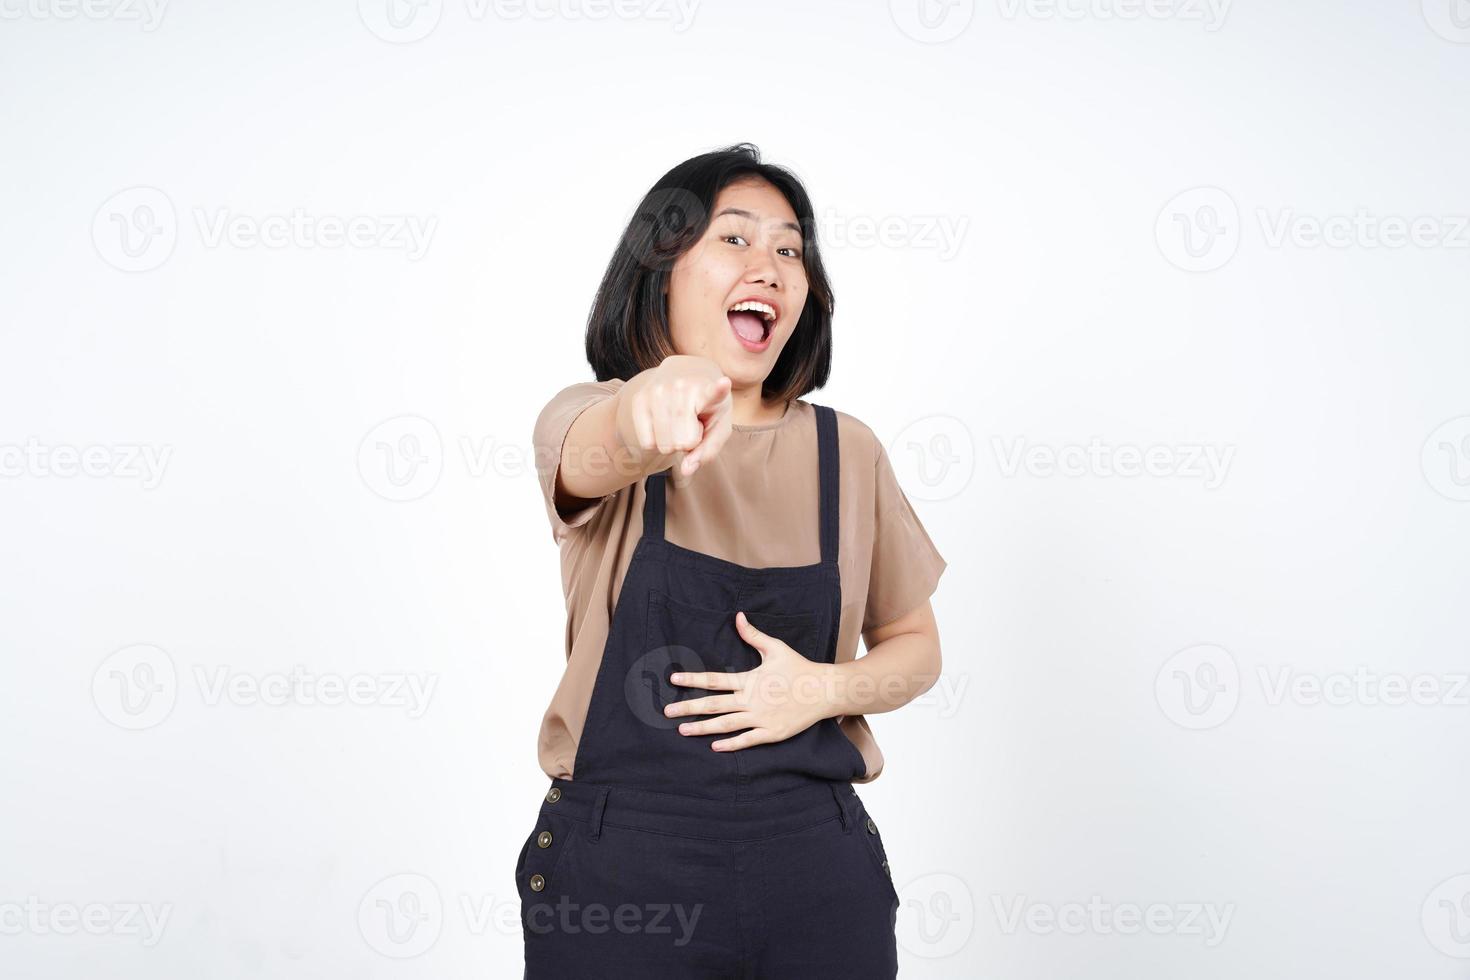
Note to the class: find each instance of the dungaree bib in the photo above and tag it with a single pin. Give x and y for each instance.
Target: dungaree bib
(676, 612)
(766, 854)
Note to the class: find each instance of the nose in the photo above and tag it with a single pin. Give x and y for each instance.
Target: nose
(762, 269)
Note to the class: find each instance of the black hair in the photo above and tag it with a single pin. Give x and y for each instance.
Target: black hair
(628, 327)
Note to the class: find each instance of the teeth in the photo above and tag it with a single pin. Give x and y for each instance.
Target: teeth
(769, 312)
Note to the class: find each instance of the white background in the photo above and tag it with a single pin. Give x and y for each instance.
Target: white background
(1130, 193)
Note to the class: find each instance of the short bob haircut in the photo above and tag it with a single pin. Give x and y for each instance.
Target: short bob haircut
(628, 328)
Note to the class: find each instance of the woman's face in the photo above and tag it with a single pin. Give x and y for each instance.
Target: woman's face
(752, 250)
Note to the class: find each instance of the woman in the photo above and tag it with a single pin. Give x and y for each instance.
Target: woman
(723, 545)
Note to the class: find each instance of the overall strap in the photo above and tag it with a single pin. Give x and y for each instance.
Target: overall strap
(827, 474)
(653, 505)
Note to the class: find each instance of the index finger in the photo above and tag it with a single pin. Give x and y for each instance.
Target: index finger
(710, 680)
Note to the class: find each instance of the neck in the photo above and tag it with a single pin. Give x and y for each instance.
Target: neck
(750, 409)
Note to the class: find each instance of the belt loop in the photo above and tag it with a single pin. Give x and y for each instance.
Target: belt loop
(841, 808)
(597, 807)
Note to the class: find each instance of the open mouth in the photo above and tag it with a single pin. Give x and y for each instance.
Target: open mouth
(752, 320)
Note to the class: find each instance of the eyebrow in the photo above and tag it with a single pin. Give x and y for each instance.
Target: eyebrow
(747, 214)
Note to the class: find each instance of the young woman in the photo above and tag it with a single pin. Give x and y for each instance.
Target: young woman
(723, 544)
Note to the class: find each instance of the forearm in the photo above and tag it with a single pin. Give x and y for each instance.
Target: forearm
(888, 676)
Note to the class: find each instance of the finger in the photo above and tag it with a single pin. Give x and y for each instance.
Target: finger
(713, 403)
(691, 428)
(713, 726)
(742, 741)
(708, 679)
(686, 424)
(643, 424)
(705, 450)
(712, 394)
(713, 705)
(750, 634)
(716, 433)
(663, 424)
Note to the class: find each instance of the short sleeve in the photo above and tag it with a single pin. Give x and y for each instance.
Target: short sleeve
(548, 439)
(906, 565)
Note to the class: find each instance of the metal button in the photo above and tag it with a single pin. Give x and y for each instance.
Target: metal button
(537, 883)
(543, 839)
(553, 794)
(887, 870)
(872, 827)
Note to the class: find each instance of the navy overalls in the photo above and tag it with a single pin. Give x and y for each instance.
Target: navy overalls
(665, 859)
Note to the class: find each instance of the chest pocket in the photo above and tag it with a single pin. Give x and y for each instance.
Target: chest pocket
(684, 637)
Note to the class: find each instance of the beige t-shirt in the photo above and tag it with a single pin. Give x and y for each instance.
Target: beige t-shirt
(756, 504)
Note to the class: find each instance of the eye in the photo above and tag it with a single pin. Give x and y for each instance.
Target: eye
(726, 238)
(796, 253)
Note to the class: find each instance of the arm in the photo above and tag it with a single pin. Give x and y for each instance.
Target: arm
(651, 422)
(902, 662)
